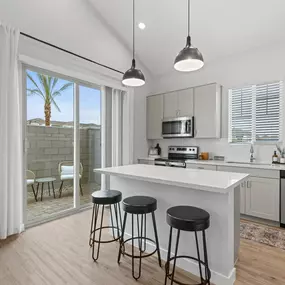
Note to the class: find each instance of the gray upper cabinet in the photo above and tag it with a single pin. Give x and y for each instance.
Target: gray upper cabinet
(154, 110)
(203, 102)
(207, 111)
(185, 103)
(178, 104)
(170, 105)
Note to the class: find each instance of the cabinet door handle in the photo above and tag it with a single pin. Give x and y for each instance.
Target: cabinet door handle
(200, 167)
(248, 184)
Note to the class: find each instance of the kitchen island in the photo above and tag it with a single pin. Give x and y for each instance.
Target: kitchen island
(216, 192)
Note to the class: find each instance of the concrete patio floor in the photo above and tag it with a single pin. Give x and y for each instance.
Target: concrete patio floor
(41, 210)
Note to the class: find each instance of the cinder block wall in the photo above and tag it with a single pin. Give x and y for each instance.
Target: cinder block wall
(48, 146)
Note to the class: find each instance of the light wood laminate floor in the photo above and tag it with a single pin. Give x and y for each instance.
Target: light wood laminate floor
(58, 253)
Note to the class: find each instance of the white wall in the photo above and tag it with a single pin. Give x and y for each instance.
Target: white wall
(69, 24)
(75, 26)
(262, 65)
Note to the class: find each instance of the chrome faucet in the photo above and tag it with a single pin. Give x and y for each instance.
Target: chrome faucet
(251, 153)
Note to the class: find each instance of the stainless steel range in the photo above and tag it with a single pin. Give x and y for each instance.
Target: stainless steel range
(177, 156)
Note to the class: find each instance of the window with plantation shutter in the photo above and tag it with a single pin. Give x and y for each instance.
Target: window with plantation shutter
(255, 113)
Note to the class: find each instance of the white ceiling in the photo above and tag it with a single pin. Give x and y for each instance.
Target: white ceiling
(219, 28)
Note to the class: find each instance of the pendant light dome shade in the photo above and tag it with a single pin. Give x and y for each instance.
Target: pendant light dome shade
(133, 77)
(189, 59)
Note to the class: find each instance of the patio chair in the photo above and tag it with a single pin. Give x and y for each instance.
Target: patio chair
(66, 172)
(30, 180)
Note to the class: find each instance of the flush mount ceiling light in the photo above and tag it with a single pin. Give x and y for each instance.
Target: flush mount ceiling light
(133, 77)
(190, 58)
(142, 26)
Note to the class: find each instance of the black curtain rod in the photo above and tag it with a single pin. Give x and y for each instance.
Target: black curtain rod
(72, 53)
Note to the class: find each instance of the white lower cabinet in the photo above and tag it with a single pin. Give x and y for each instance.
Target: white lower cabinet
(259, 196)
(262, 198)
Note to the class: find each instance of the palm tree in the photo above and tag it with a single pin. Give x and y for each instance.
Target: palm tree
(48, 90)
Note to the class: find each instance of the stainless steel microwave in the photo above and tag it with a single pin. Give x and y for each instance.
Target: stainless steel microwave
(182, 127)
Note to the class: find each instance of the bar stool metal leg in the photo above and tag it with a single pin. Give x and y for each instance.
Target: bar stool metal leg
(94, 224)
(100, 234)
(139, 239)
(167, 265)
(156, 238)
(91, 226)
(144, 248)
(112, 222)
(207, 276)
(122, 237)
(199, 259)
(117, 220)
(133, 247)
(121, 223)
(175, 255)
(120, 216)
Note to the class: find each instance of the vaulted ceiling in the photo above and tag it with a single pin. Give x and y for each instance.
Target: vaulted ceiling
(219, 28)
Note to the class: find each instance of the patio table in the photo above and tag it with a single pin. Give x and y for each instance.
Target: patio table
(42, 181)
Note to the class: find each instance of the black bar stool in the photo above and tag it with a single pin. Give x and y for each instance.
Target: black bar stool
(103, 198)
(139, 205)
(191, 219)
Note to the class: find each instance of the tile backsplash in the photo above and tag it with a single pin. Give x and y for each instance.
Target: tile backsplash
(234, 152)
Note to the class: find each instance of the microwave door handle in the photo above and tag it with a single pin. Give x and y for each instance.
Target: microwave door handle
(187, 127)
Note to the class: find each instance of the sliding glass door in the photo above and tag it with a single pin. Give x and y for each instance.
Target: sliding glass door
(49, 145)
(62, 144)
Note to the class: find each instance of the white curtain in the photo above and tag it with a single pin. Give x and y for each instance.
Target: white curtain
(117, 127)
(11, 138)
(122, 127)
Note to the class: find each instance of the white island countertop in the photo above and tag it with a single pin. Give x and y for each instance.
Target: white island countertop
(206, 180)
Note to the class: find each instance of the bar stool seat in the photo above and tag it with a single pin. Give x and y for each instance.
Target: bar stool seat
(139, 205)
(106, 197)
(188, 218)
(102, 199)
(191, 219)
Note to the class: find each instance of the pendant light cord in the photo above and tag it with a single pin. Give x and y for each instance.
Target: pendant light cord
(188, 17)
(133, 29)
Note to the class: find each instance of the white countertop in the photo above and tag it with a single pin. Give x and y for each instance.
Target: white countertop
(206, 180)
(255, 165)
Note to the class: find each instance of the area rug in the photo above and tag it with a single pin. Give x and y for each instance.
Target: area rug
(263, 234)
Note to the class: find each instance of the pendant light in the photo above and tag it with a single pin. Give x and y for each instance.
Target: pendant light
(133, 77)
(190, 58)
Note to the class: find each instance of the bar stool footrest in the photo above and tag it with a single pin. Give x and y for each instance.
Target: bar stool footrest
(169, 275)
(105, 241)
(137, 256)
